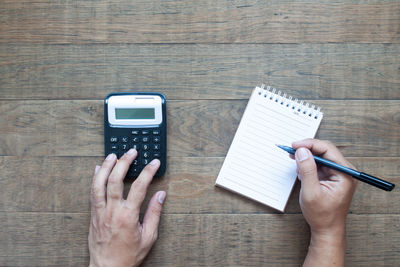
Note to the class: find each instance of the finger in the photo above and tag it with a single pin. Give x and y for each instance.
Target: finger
(98, 191)
(138, 189)
(96, 169)
(152, 217)
(115, 185)
(307, 171)
(322, 148)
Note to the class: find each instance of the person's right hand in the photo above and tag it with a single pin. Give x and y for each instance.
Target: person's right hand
(116, 236)
(325, 198)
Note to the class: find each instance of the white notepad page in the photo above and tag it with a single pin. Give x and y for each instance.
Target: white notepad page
(254, 166)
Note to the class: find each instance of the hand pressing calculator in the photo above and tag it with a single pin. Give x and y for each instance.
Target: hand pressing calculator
(136, 120)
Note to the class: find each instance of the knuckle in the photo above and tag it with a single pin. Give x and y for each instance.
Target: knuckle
(307, 171)
(151, 239)
(96, 192)
(146, 171)
(143, 179)
(325, 141)
(96, 203)
(114, 178)
(156, 210)
(154, 236)
(328, 143)
(124, 160)
(311, 199)
(107, 164)
(113, 194)
(125, 219)
(139, 183)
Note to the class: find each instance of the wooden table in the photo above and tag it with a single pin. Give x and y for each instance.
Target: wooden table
(58, 60)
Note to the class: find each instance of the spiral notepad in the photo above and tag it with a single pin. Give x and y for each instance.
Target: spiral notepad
(254, 166)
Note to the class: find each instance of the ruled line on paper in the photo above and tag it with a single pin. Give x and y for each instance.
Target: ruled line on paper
(257, 127)
(263, 176)
(264, 129)
(276, 120)
(267, 148)
(269, 172)
(257, 160)
(251, 182)
(252, 189)
(284, 115)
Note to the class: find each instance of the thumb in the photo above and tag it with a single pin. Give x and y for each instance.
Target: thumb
(307, 171)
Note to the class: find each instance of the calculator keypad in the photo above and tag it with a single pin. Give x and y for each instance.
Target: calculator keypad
(146, 141)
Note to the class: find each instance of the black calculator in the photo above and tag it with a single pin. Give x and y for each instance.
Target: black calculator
(136, 120)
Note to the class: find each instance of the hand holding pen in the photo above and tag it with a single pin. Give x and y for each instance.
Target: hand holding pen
(366, 178)
(325, 198)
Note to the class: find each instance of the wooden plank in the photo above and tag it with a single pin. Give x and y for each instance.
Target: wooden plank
(223, 71)
(199, 22)
(42, 239)
(62, 184)
(195, 128)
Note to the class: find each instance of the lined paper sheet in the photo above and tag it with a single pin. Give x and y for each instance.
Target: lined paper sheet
(254, 166)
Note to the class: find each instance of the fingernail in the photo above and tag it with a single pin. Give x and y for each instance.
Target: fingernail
(154, 162)
(301, 154)
(131, 151)
(96, 169)
(111, 156)
(161, 197)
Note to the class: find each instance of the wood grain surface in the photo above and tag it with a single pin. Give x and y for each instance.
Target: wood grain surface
(204, 21)
(216, 71)
(204, 240)
(51, 184)
(59, 59)
(195, 128)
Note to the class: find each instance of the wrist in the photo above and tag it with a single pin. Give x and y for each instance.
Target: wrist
(329, 238)
(327, 248)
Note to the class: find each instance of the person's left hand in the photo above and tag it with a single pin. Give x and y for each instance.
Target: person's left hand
(116, 237)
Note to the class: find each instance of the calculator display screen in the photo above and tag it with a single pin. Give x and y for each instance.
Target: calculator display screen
(134, 113)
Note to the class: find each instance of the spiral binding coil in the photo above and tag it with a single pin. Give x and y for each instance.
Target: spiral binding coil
(300, 107)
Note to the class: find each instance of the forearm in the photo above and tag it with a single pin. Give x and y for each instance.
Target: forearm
(326, 249)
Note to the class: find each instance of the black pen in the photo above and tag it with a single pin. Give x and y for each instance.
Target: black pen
(366, 178)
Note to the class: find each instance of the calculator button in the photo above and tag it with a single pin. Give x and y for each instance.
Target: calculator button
(146, 154)
(157, 155)
(135, 139)
(144, 132)
(124, 147)
(135, 146)
(145, 139)
(113, 139)
(145, 161)
(156, 146)
(114, 147)
(156, 132)
(135, 132)
(145, 147)
(124, 139)
(156, 139)
(135, 162)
